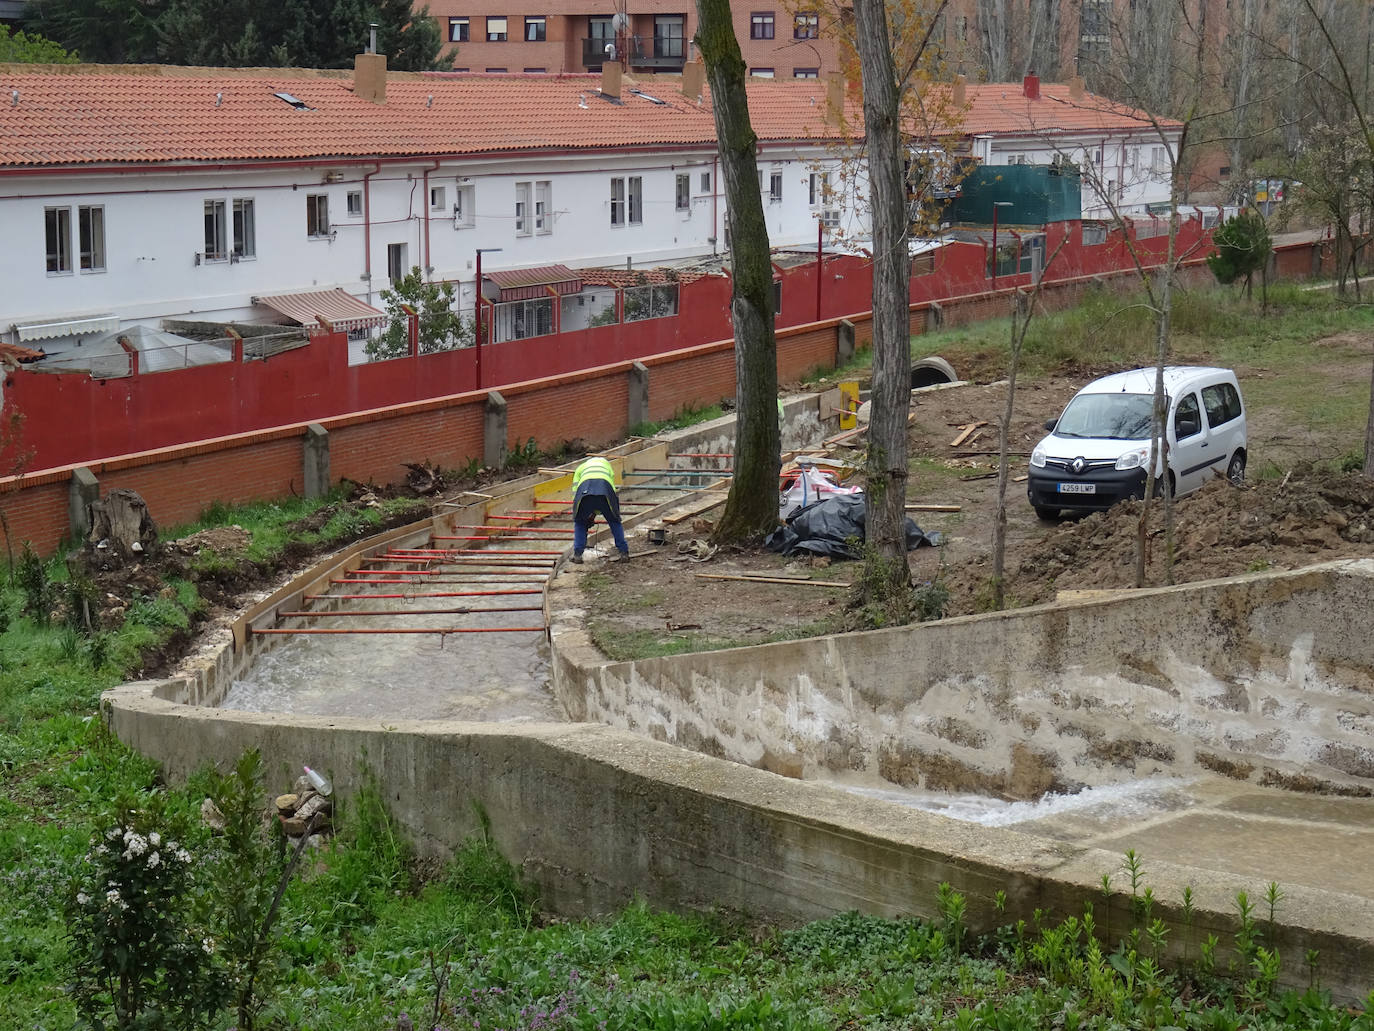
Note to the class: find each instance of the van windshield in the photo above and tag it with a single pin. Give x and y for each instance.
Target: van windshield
(1107, 417)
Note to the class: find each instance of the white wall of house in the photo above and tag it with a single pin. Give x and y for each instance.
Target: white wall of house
(1130, 171)
(158, 262)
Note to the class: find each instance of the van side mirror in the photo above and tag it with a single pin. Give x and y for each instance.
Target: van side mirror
(1187, 425)
(1050, 424)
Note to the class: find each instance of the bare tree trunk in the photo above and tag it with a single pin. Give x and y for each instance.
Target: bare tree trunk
(992, 30)
(751, 509)
(887, 574)
(1369, 430)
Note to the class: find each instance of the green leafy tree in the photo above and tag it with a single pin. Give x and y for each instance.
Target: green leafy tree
(441, 328)
(242, 33)
(101, 31)
(26, 48)
(1243, 247)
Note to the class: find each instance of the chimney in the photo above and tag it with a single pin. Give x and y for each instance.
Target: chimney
(369, 71)
(1076, 90)
(693, 80)
(960, 92)
(610, 79)
(1031, 87)
(834, 99)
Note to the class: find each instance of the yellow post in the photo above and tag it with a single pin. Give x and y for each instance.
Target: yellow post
(849, 404)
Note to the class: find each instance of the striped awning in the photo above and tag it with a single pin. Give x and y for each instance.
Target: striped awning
(337, 307)
(79, 325)
(523, 284)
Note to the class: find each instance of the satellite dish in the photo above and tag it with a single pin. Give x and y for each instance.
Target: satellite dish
(620, 21)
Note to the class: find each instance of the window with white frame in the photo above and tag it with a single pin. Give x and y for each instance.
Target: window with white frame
(761, 25)
(216, 231)
(1159, 159)
(627, 200)
(775, 186)
(57, 224)
(819, 188)
(806, 73)
(617, 201)
(522, 209)
(438, 198)
(245, 229)
(536, 28)
(317, 215)
(459, 30)
(465, 207)
(761, 73)
(684, 192)
(705, 182)
(543, 207)
(91, 237)
(355, 202)
(496, 29)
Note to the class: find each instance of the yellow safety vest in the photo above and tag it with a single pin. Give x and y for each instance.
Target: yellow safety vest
(594, 469)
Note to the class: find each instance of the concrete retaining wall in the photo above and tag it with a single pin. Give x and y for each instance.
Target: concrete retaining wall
(597, 816)
(1267, 679)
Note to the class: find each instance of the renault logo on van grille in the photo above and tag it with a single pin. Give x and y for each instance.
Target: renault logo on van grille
(1079, 464)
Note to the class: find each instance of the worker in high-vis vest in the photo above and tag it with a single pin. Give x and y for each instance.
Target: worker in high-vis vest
(593, 493)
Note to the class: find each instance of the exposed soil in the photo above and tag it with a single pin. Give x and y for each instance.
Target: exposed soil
(1305, 516)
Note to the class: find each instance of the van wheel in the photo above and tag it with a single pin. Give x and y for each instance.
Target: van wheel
(1050, 515)
(1235, 471)
(1162, 483)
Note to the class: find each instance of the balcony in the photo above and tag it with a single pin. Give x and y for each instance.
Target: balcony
(663, 54)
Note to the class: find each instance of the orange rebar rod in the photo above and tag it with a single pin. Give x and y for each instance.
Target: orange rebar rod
(464, 611)
(485, 526)
(540, 512)
(700, 454)
(419, 594)
(478, 537)
(431, 572)
(506, 551)
(417, 583)
(404, 630)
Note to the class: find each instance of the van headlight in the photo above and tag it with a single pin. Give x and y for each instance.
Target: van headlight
(1137, 459)
(1037, 458)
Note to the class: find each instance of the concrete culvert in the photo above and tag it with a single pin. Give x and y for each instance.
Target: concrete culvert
(929, 371)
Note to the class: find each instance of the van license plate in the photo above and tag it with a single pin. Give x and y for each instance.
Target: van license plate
(1078, 488)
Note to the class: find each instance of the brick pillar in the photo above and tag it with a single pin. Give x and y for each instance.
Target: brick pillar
(844, 342)
(83, 492)
(316, 461)
(638, 412)
(494, 431)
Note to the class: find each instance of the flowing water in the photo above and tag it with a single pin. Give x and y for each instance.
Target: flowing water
(485, 677)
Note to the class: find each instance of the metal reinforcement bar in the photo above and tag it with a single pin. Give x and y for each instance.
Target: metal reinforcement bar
(473, 558)
(476, 537)
(540, 512)
(404, 630)
(417, 583)
(506, 551)
(413, 573)
(484, 526)
(418, 594)
(466, 610)
(701, 454)
(681, 472)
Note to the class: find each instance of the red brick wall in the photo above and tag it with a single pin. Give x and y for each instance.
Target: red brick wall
(37, 512)
(371, 446)
(685, 379)
(591, 407)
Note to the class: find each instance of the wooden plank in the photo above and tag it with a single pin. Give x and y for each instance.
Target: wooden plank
(695, 510)
(1020, 479)
(934, 508)
(965, 434)
(840, 438)
(773, 580)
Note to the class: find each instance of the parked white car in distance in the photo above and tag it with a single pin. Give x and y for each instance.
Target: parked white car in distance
(1099, 450)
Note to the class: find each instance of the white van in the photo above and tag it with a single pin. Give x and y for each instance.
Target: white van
(1098, 451)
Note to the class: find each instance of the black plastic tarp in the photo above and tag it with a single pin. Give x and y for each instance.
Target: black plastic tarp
(826, 527)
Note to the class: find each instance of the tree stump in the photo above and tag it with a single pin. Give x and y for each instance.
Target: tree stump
(121, 527)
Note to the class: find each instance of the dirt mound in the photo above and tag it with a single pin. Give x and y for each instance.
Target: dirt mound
(1221, 530)
(225, 540)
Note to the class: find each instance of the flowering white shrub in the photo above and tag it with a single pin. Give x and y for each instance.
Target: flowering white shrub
(140, 958)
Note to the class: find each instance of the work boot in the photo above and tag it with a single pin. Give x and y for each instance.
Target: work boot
(622, 556)
(577, 559)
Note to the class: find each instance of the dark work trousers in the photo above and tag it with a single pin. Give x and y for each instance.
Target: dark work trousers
(593, 498)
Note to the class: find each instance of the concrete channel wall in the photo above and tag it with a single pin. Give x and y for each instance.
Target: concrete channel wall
(1267, 679)
(596, 815)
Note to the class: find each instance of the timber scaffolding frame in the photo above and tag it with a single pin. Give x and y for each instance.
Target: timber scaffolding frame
(483, 557)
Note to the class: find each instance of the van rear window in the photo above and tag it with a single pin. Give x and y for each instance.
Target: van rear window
(1222, 402)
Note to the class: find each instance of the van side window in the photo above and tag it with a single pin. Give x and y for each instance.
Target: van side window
(1222, 403)
(1187, 418)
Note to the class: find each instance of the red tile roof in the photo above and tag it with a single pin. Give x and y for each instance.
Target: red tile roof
(1000, 108)
(75, 115)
